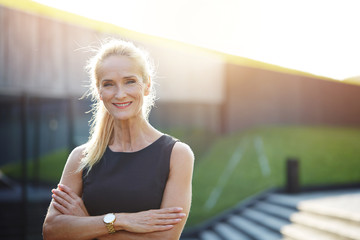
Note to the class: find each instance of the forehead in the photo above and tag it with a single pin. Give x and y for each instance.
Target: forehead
(118, 65)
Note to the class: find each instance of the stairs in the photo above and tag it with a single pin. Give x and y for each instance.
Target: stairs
(261, 217)
(320, 215)
(336, 217)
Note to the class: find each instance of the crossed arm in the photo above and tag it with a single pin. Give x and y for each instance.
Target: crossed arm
(67, 217)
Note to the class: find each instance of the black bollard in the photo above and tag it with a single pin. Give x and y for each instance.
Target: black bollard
(292, 175)
(24, 164)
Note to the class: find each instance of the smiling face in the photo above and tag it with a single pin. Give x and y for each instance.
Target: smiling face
(121, 87)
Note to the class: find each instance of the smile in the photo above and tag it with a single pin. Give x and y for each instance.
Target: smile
(121, 105)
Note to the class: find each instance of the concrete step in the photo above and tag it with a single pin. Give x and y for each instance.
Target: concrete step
(345, 207)
(276, 210)
(270, 216)
(300, 232)
(284, 200)
(335, 226)
(254, 230)
(228, 232)
(209, 235)
(293, 200)
(269, 221)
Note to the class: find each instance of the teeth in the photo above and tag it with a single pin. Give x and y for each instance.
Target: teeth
(122, 104)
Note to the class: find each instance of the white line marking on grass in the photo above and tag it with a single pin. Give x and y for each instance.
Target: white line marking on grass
(262, 159)
(215, 194)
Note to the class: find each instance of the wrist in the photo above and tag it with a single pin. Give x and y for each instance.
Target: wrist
(119, 223)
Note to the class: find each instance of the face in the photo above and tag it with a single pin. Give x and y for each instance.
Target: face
(121, 87)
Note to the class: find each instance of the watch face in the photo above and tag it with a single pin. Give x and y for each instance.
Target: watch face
(109, 218)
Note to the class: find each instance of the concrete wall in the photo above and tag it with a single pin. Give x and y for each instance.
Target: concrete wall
(43, 56)
(261, 97)
(40, 55)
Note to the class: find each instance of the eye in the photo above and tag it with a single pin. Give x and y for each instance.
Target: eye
(107, 84)
(130, 81)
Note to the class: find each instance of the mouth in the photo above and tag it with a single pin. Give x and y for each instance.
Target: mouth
(122, 105)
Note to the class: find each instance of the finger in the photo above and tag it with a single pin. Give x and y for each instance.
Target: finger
(171, 216)
(159, 228)
(60, 200)
(167, 221)
(169, 210)
(62, 195)
(60, 208)
(77, 200)
(67, 190)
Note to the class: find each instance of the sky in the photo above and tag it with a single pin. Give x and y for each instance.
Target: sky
(321, 37)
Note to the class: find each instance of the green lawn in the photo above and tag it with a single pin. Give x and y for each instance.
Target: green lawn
(50, 167)
(327, 156)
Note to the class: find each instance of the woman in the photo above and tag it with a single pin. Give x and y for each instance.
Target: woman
(129, 181)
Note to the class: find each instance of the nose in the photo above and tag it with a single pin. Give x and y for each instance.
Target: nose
(120, 92)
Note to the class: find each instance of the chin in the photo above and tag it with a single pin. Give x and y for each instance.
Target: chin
(125, 117)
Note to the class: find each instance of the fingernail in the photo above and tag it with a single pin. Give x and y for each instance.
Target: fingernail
(182, 214)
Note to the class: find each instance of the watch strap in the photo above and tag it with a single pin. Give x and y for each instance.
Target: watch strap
(110, 227)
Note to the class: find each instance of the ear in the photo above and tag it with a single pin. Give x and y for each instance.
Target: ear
(147, 88)
(100, 96)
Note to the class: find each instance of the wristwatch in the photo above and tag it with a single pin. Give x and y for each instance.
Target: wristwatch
(109, 220)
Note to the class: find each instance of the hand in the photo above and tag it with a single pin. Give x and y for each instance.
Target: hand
(151, 220)
(67, 202)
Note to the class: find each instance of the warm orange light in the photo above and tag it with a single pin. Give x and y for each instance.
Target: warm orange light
(320, 37)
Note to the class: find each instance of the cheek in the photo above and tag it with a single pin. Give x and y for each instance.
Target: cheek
(104, 94)
(136, 90)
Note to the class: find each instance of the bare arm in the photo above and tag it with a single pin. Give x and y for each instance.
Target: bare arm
(164, 223)
(67, 217)
(60, 226)
(177, 193)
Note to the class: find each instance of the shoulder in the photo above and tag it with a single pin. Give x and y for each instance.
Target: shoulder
(75, 157)
(182, 148)
(77, 153)
(71, 176)
(182, 154)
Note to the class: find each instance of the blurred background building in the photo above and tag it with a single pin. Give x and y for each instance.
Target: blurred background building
(43, 52)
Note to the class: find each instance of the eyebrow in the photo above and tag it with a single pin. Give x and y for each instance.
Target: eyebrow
(106, 80)
(126, 77)
(131, 76)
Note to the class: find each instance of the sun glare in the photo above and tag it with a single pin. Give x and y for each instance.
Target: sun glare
(320, 37)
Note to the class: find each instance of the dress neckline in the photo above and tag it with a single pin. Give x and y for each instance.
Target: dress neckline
(140, 150)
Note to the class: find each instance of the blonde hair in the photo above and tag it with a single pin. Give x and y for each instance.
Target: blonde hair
(102, 123)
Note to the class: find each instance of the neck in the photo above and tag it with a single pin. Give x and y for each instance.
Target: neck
(132, 135)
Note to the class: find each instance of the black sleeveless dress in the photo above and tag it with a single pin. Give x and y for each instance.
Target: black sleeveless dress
(128, 181)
